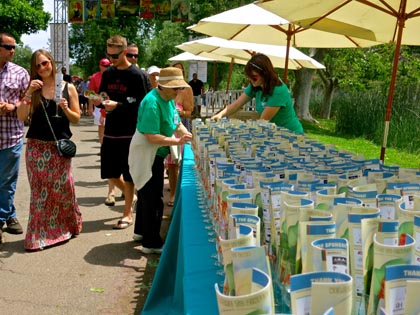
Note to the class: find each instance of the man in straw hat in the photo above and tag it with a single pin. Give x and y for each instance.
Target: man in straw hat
(157, 121)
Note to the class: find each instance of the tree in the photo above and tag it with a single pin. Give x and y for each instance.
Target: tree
(18, 17)
(162, 46)
(22, 56)
(87, 41)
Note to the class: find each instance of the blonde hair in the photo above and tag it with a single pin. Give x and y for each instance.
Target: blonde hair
(117, 41)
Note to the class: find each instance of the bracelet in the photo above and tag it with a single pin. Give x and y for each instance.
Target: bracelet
(26, 101)
(28, 96)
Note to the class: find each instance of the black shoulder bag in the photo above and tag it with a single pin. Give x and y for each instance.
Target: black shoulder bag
(65, 147)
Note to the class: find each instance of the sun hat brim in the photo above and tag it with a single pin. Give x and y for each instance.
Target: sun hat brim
(172, 81)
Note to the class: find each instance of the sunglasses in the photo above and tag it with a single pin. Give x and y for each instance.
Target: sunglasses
(178, 89)
(43, 64)
(132, 55)
(254, 78)
(114, 56)
(8, 47)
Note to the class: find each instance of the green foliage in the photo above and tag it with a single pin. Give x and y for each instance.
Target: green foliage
(362, 114)
(18, 17)
(325, 132)
(87, 41)
(22, 56)
(161, 47)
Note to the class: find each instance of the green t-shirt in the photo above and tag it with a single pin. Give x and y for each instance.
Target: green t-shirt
(286, 116)
(157, 116)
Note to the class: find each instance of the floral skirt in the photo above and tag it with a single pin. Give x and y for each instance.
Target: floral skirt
(54, 214)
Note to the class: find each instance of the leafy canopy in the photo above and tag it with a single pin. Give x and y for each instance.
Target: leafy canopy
(18, 17)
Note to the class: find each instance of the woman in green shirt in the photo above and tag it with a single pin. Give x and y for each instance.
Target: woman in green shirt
(157, 121)
(272, 96)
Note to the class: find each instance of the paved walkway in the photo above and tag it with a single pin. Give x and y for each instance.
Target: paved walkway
(101, 271)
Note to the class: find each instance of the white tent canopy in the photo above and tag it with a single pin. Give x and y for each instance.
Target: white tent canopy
(243, 51)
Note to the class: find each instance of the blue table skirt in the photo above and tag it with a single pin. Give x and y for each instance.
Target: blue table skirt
(186, 274)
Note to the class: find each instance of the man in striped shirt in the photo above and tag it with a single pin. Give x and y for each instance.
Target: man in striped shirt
(13, 83)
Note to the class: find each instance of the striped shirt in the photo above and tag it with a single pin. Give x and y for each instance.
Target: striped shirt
(13, 83)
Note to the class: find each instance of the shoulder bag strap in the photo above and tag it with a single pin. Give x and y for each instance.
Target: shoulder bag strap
(48, 120)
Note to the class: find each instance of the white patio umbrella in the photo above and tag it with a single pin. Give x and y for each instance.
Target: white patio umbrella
(396, 21)
(186, 56)
(251, 23)
(204, 56)
(242, 52)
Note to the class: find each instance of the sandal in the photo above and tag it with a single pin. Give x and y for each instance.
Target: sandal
(122, 225)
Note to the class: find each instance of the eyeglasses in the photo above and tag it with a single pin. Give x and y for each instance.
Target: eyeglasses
(114, 56)
(8, 47)
(132, 55)
(178, 89)
(43, 64)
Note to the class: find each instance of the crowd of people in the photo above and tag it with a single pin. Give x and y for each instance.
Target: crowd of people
(143, 113)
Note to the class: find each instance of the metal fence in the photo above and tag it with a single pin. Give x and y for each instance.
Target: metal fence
(217, 100)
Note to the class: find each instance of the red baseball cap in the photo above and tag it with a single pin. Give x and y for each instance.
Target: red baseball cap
(104, 62)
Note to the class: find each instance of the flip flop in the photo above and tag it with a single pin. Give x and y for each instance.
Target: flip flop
(122, 225)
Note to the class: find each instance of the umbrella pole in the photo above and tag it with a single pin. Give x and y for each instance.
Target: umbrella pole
(214, 85)
(286, 63)
(229, 76)
(391, 89)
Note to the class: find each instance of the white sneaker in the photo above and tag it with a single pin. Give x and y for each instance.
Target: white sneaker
(137, 237)
(146, 250)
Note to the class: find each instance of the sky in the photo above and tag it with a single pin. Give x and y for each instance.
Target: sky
(40, 39)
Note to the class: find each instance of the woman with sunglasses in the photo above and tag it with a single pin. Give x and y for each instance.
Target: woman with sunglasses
(157, 121)
(272, 96)
(54, 215)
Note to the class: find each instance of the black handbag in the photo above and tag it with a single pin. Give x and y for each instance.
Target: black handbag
(65, 147)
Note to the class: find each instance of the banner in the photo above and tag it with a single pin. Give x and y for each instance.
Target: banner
(80, 11)
(127, 7)
(107, 9)
(92, 10)
(75, 11)
(155, 9)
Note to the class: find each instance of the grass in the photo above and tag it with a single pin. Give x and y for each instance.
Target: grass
(324, 132)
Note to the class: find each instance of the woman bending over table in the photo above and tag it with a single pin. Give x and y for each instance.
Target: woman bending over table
(272, 96)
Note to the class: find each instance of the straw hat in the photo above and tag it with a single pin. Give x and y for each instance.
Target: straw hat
(171, 78)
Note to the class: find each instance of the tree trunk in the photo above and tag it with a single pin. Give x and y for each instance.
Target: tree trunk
(303, 87)
(302, 93)
(330, 84)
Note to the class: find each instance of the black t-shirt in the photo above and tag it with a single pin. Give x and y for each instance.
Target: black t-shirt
(128, 86)
(39, 127)
(196, 86)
